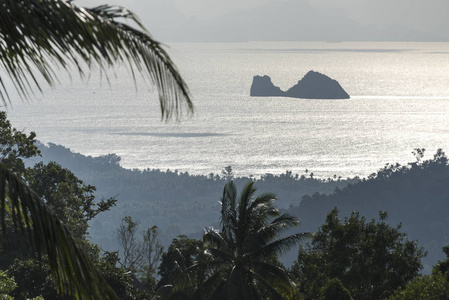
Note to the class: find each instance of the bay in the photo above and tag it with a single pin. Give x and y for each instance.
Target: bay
(399, 101)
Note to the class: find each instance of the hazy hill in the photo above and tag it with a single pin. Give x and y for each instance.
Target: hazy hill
(177, 202)
(416, 195)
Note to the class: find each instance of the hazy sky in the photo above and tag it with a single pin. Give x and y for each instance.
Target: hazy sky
(217, 20)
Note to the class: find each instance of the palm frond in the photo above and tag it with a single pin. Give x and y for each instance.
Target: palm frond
(244, 215)
(195, 275)
(209, 286)
(263, 199)
(73, 272)
(237, 286)
(262, 210)
(236, 260)
(280, 246)
(277, 227)
(187, 279)
(215, 238)
(271, 290)
(273, 274)
(179, 265)
(245, 198)
(220, 256)
(38, 35)
(228, 217)
(261, 215)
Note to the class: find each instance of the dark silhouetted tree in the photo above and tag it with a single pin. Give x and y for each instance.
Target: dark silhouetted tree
(239, 261)
(371, 259)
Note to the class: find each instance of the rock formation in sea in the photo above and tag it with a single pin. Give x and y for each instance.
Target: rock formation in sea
(263, 87)
(313, 85)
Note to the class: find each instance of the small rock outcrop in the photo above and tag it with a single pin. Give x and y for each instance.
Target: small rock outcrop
(313, 85)
(263, 87)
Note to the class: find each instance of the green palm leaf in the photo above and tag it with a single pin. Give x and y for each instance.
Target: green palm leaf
(228, 217)
(268, 233)
(73, 272)
(38, 35)
(243, 252)
(272, 291)
(273, 273)
(280, 246)
(215, 238)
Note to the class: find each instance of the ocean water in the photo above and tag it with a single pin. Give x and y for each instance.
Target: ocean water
(399, 101)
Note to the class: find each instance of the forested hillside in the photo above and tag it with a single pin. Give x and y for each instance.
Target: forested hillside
(346, 243)
(416, 195)
(176, 202)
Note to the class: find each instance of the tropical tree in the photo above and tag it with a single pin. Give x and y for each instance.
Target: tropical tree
(434, 286)
(181, 253)
(73, 202)
(370, 258)
(15, 146)
(35, 37)
(140, 256)
(240, 260)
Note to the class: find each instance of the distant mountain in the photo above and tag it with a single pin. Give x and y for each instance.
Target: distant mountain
(275, 21)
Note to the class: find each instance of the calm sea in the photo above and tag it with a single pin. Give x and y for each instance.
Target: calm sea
(399, 101)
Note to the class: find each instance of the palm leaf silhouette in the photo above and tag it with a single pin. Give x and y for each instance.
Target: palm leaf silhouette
(38, 35)
(37, 39)
(238, 262)
(73, 271)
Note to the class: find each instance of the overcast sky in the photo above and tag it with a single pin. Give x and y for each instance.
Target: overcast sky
(240, 20)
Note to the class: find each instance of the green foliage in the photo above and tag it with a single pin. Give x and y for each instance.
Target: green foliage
(371, 259)
(74, 204)
(7, 285)
(152, 251)
(68, 197)
(8, 288)
(15, 146)
(239, 261)
(433, 286)
(180, 255)
(26, 222)
(178, 202)
(334, 290)
(34, 37)
(33, 279)
(140, 257)
(428, 287)
(414, 195)
(71, 268)
(443, 266)
(121, 281)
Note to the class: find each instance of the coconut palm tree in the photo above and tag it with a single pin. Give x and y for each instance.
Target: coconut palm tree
(36, 37)
(240, 260)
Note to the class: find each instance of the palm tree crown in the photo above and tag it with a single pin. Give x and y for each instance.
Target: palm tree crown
(240, 260)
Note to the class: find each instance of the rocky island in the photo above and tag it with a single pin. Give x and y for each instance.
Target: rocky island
(313, 85)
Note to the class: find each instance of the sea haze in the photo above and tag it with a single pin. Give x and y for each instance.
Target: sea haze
(399, 101)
